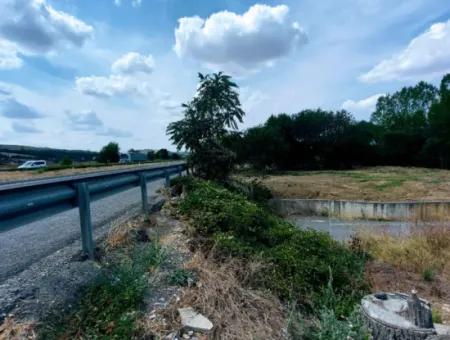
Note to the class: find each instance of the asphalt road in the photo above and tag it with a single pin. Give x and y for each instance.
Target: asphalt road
(22, 246)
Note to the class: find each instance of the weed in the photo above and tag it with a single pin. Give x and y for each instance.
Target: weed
(428, 275)
(436, 316)
(109, 308)
(297, 261)
(182, 277)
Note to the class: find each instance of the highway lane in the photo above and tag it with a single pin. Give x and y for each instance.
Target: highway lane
(22, 246)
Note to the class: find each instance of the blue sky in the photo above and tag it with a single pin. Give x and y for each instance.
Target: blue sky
(80, 73)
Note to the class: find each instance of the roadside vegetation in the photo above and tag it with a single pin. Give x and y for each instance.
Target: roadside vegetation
(303, 268)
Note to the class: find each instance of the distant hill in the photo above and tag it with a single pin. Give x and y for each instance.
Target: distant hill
(20, 153)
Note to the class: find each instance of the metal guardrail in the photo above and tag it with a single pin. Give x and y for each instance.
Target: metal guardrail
(24, 202)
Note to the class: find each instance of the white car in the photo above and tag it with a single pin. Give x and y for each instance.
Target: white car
(33, 165)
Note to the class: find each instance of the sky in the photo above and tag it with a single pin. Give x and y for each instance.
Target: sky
(78, 74)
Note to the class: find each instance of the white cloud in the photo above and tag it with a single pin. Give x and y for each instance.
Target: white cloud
(11, 108)
(36, 27)
(426, 55)
(113, 132)
(25, 128)
(9, 58)
(133, 62)
(362, 108)
(117, 2)
(129, 77)
(136, 3)
(84, 121)
(236, 42)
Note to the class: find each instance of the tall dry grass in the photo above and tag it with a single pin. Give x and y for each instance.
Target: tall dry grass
(422, 249)
(222, 294)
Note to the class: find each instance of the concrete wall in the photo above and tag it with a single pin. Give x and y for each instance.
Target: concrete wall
(389, 211)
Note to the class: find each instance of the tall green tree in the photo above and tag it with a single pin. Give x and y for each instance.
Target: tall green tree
(438, 143)
(407, 108)
(214, 110)
(109, 153)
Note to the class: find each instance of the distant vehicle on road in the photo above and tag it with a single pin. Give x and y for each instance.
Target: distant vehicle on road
(28, 165)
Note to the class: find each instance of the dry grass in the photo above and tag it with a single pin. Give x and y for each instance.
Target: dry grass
(424, 248)
(370, 184)
(222, 295)
(122, 234)
(419, 260)
(11, 330)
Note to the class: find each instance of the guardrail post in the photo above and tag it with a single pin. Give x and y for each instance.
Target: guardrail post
(167, 179)
(180, 171)
(84, 207)
(143, 184)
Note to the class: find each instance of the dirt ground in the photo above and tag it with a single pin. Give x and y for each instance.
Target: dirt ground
(370, 184)
(7, 176)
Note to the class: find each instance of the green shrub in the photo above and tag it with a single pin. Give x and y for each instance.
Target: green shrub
(181, 277)
(108, 308)
(298, 261)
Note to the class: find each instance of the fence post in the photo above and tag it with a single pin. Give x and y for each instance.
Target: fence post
(84, 208)
(167, 178)
(143, 184)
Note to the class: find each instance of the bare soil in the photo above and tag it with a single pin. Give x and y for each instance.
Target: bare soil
(369, 184)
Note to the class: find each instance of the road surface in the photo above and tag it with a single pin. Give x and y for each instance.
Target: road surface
(23, 246)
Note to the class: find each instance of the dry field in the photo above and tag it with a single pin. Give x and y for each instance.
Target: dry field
(370, 184)
(7, 176)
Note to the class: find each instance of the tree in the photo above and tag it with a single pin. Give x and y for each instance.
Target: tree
(162, 154)
(214, 109)
(407, 108)
(151, 155)
(109, 153)
(66, 161)
(438, 143)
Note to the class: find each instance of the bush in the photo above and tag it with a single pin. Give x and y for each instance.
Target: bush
(107, 309)
(298, 261)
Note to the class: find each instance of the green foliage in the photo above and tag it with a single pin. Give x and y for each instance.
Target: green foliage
(407, 108)
(297, 261)
(410, 127)
(330, 327)
(428, 275)
(108, 308)
(162, 154)
(66, 161)
(436, 316)
(109, 153)
(214, 109)
(181, 277)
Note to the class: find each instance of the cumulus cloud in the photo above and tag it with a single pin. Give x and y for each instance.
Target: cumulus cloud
(362, 108)
(236, 42)
(9, 56)
(37, 27)
(84, 121)
(426, 55)
(24, 128)
(132, 63)
(126, 78)
(11, 108)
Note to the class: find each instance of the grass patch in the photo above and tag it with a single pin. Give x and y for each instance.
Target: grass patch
(425, 250)
(298, 263)
(108, 309)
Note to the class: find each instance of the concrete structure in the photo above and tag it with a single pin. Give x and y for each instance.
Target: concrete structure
(388, 211)
(398, 316)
